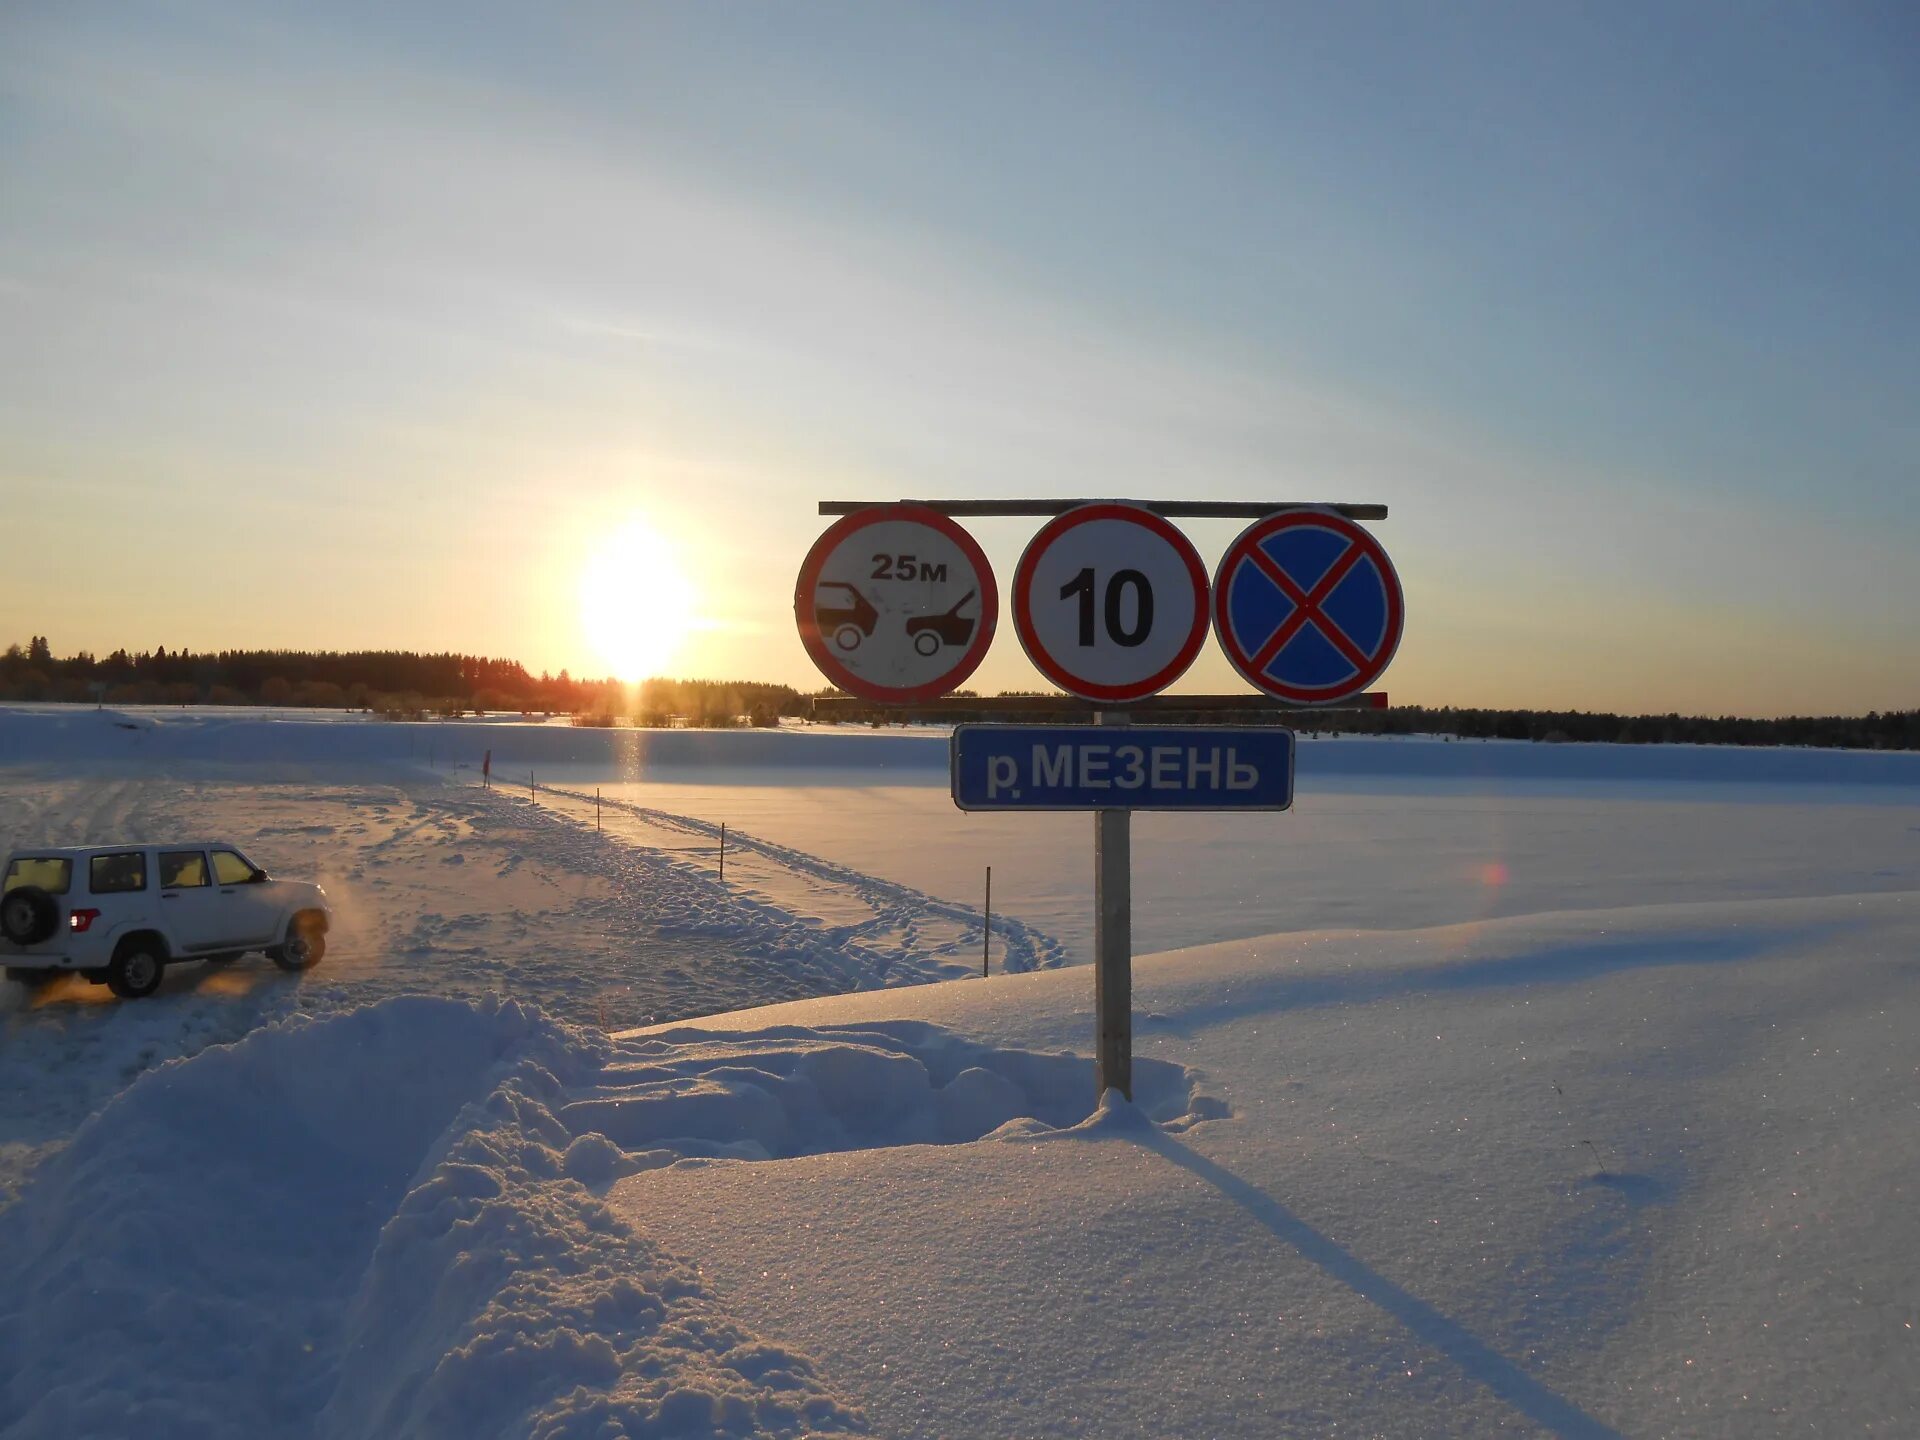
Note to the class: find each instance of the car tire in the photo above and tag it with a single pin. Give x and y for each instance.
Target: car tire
(28, 915)
(305, 947)
(137, 967)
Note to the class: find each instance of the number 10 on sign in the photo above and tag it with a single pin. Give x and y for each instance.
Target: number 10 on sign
(1119, 585)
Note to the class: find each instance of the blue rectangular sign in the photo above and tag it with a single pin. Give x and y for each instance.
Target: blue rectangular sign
(1122, 767)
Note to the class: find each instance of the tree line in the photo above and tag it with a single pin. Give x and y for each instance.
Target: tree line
(403, 684)
(1893, 730)
(399, 684)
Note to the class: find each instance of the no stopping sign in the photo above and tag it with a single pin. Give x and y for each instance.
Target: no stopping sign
(1110, 602)
(1308, 606)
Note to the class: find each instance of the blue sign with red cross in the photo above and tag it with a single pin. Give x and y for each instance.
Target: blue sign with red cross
(1307, 606)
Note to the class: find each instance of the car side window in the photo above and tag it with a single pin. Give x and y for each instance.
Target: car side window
(117, 874)
(50, 873)
(182, 869)
(232, 868)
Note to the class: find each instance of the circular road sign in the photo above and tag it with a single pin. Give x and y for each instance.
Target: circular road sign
(1307, 606)
(896, 603)
(1110, 601)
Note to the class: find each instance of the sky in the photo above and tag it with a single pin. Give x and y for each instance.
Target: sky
(364, 326)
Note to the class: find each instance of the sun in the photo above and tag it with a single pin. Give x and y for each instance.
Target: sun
(636, 606)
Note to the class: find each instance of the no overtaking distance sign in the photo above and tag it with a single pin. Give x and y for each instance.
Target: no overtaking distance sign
(896, 603)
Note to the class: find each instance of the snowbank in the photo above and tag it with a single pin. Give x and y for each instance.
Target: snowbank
(362, 1226)
(387, 1223)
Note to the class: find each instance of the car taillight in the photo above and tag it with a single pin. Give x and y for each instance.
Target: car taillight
(82, 920)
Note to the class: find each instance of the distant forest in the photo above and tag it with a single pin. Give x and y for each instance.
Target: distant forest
(397, 684)
(403, 685)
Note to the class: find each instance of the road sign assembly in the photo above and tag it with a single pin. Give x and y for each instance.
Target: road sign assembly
(1307, 606)
(896, 604)
(1110, 602)
(1134, 767)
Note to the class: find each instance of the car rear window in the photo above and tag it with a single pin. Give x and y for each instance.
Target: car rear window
(117, 874)
(180, 869)
(52, 874)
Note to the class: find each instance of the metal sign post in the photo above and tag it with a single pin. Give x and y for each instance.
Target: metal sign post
(1113, 943)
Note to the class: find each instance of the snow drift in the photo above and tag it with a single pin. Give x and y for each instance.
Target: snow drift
(413, 1241)
(398, 1251)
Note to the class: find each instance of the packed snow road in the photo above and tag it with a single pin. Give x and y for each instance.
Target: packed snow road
(455, 891)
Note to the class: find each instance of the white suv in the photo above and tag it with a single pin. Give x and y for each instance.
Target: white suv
(119, 914)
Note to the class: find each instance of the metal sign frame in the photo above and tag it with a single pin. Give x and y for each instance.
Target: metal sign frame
(1001, 707)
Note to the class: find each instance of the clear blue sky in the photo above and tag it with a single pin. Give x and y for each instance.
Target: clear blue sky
(327, 326)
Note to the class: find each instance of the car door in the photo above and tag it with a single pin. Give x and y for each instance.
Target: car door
(189, 904)
(250, 908)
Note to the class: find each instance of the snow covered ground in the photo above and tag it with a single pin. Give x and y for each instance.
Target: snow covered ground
(1645, 1172)
(1497, 1089)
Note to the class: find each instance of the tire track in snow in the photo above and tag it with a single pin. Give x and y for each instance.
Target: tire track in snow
(896, 908)
(736, 948)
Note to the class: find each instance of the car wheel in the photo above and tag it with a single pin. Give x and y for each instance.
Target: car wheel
(305, 948)
(28, 915)
(136, 969)
(847, 637)
(926, 642)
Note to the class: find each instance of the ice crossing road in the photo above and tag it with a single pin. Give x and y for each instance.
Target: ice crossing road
(454, 891)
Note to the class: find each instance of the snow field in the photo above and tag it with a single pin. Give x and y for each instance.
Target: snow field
(1339, 858)
(1602, 1125)
(562, 753)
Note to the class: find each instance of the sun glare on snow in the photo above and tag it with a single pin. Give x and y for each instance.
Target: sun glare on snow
(636, 606)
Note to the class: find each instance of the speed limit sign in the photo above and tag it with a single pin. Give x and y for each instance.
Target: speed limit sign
(1110, 602)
